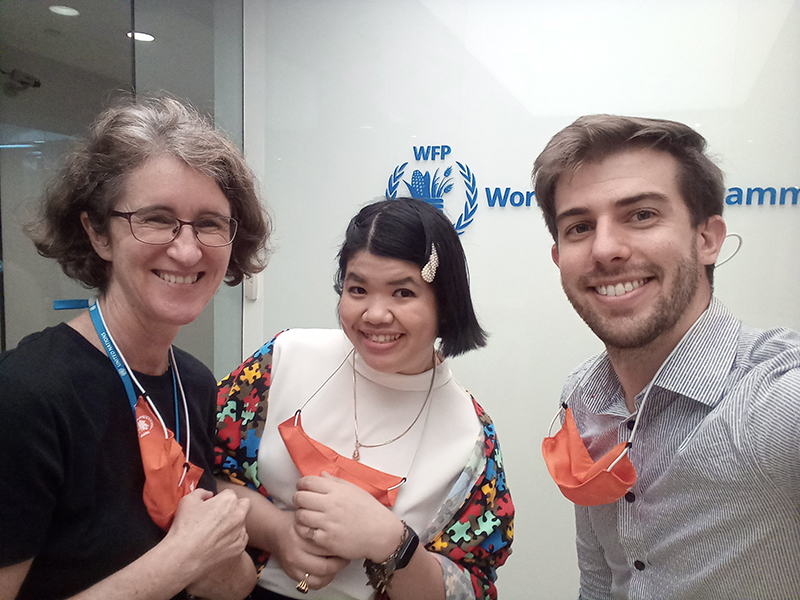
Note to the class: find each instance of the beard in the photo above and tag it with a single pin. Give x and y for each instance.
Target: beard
(638, 331)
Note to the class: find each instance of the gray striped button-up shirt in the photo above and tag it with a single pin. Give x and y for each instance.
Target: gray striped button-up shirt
(715, 511)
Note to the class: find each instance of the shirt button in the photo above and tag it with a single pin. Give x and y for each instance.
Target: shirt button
(630, 497)
(639, 565)
(630, 424)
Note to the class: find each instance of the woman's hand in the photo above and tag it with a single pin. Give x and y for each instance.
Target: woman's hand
(272, 529)
(342, 519)
(299, 555)
(203, 550)
(211, 528)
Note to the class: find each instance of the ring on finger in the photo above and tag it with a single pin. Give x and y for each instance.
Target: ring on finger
(302, 586)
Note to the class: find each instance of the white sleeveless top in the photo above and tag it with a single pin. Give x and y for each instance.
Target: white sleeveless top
(431, 455)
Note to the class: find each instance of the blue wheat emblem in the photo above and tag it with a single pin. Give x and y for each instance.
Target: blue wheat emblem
(394, 180)
(429, 188)
(432, 189)
(471, 205)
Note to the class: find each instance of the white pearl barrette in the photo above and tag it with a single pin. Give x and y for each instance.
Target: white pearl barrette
(429, 270)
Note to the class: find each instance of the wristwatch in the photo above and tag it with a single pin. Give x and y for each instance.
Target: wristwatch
(380, 574)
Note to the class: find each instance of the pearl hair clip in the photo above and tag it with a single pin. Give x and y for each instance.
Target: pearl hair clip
(429, 270)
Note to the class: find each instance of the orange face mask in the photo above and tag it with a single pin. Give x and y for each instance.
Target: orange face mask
(312, 458)
(168, 475)
(589, 483)
(581, 480)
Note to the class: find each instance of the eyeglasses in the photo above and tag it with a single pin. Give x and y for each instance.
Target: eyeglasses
(158, 227)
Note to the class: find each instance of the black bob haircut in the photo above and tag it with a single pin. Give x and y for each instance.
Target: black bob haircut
(404, 229)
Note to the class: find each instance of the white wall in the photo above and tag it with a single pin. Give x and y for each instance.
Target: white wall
(337, 94)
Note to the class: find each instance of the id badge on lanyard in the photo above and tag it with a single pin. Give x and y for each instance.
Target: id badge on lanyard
(169, 475)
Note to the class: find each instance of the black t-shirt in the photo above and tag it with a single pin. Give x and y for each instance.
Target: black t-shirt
(70, 468)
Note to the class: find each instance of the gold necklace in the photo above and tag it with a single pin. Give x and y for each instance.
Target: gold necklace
(358, 444)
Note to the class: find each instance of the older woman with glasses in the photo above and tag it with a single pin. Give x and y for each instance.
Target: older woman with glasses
(106, 428)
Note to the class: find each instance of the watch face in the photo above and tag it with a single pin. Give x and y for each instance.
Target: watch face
(407, 549)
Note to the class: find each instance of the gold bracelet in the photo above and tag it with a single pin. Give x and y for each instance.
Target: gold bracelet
(380, 574)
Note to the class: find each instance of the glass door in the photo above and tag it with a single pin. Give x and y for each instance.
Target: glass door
(61, 65)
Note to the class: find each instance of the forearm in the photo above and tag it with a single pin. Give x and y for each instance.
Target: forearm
(11, 578)
(596, 577)
(207, 532)
(162, 573)
(264, 519)
(231, 580)
(158, 574)
(420, 580)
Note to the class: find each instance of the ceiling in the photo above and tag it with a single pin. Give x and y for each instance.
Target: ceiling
(96, 40)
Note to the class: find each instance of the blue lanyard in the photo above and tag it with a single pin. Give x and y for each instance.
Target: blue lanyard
(117, 360)
(111, 351)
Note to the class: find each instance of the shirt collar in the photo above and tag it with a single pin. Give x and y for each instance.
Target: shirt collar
(701, 366)
(698, 370)
(397, 381)
(599, 387)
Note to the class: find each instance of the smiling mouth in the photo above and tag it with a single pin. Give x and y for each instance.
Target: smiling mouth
(188, 279)
(620, 289)
(382, 338)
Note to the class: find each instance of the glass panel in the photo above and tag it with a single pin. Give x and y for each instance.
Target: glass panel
(197, 56)
(58, 73)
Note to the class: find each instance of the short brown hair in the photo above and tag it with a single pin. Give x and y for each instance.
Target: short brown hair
(121, 140)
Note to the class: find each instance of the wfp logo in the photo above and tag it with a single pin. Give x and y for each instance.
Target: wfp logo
(432, 184)
(144, 425)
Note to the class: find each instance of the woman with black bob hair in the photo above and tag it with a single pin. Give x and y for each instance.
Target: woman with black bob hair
(371, 472)
(408, 230)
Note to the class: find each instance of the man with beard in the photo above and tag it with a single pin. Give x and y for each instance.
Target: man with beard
(679, 444)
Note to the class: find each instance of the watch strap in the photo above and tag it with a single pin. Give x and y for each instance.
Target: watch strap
(380, 574)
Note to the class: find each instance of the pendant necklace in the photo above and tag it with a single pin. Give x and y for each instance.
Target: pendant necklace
(358, 444)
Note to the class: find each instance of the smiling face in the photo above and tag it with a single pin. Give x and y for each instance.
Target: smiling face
(163, 286)
(389, 313)
(631, 263)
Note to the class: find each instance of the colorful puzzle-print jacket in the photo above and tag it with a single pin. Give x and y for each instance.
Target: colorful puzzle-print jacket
(474, 541)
